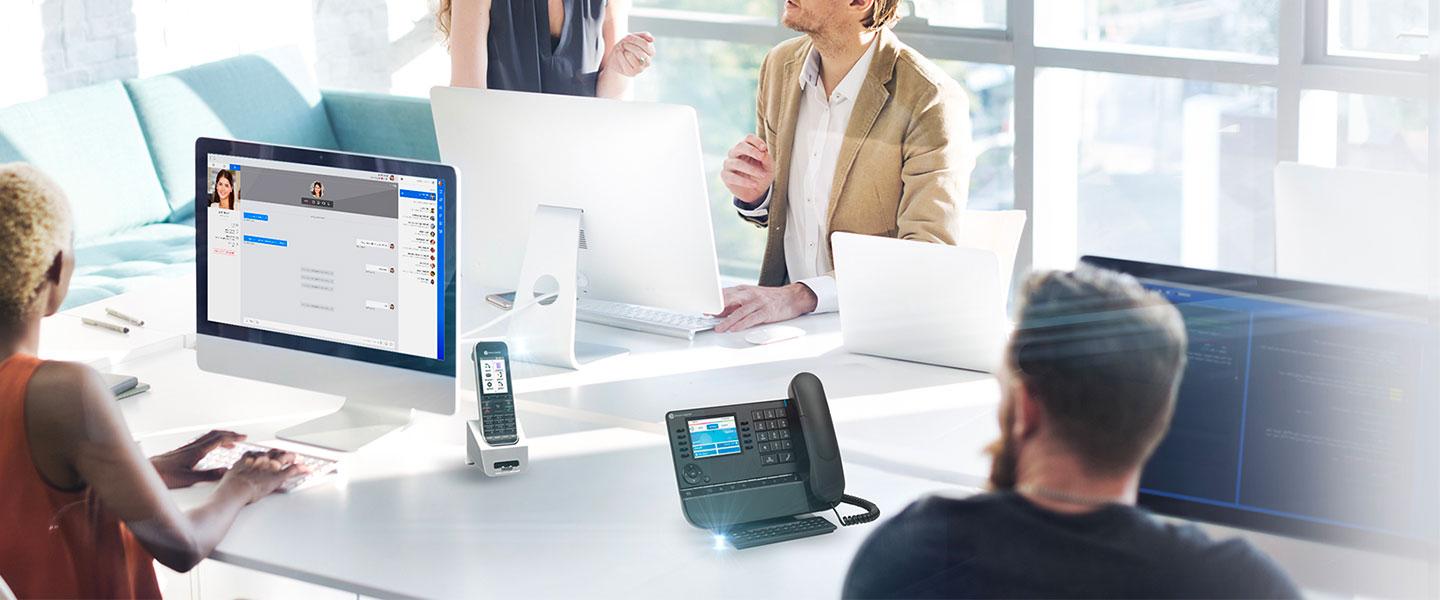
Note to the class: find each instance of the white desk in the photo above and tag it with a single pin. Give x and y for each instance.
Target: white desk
(167, 307)
(598, 515)
(914, 419)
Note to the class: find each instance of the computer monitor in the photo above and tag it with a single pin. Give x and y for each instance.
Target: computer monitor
(1306, 409)
(331, 272)
(635, 169)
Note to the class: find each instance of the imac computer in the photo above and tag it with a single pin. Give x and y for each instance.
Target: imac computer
(631, 172)
(331, 272)
(1306, 410)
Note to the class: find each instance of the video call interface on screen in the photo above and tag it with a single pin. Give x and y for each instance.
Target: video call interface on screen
(332, 254)
(1274, 388)
(714, 437)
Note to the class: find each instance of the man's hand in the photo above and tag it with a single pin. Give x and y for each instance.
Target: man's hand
(177, 467)
(749, 170)
(747, 306)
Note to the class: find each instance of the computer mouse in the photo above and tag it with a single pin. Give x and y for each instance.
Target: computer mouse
(774, 333)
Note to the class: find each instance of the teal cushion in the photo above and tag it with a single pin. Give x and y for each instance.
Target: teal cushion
(131, 260)
(381, 124)
(268, 99)
(89, 141)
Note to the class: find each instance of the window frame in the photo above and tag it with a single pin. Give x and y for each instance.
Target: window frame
(1302, 63)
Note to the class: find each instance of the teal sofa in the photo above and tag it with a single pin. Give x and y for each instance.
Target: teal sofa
(125, 152)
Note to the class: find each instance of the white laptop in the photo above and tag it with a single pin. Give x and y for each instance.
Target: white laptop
(922, 302)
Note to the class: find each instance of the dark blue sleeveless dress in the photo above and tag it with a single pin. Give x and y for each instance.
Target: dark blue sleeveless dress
(524, 58)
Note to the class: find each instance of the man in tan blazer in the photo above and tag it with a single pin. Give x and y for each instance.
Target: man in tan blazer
(855, 132)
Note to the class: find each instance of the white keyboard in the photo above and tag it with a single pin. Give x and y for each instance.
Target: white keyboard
(643, 318)
(320, 468)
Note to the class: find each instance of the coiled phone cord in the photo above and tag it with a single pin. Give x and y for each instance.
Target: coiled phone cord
(871, 513)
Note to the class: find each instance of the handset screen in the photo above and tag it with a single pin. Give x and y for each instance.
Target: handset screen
(493, 368)
(716, 436)
(492, 371)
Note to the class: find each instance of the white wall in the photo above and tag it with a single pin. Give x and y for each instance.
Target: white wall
(373, 45)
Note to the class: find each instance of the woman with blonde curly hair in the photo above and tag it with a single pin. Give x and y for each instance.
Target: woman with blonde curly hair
(82, 510)
(573, 47)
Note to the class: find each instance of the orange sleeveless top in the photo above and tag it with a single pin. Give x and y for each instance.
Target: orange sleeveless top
(56, 543)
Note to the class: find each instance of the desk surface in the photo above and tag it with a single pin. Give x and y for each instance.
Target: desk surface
(598, 514)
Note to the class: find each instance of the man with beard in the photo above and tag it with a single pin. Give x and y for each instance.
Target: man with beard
(1088, 386)
(854, 131)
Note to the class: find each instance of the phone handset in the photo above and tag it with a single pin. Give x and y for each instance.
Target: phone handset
(826, 474)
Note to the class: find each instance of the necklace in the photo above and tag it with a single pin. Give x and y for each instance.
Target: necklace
(1065, 497)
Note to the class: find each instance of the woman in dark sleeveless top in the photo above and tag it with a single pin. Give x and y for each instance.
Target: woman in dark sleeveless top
(574, 47)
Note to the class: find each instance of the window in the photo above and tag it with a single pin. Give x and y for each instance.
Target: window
(991, 89)
(1389, 29)
(1358, 131)
(1246, 27)
(1141, 129)
(1150, 168)
(977, 14)
(753, 8)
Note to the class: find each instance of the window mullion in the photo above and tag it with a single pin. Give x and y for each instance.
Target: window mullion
(1295, 41)
(1020, 15)
(1316, 30)
(1432, 62)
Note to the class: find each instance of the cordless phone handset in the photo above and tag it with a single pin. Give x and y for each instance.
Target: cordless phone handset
(826, 473)
(496, 390)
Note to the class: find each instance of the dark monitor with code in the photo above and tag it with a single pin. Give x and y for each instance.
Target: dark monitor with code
(1305, 409)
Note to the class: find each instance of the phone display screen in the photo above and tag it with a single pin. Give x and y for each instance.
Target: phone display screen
(717, 436)
(493, 378)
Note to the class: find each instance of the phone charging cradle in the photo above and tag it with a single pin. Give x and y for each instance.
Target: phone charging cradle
(496, 461)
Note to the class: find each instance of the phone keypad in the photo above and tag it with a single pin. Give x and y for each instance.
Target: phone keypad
(497, 417)
(772, 435)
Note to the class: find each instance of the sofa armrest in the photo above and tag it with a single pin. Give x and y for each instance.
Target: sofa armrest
(382, 124)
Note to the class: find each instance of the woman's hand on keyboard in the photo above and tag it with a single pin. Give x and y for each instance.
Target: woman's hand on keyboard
(258, 474)
(177, 467)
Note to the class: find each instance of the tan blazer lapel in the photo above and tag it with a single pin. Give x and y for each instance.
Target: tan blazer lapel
(785, 135)
(873, 95)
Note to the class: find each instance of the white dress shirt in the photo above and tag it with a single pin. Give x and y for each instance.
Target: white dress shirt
(819, 132)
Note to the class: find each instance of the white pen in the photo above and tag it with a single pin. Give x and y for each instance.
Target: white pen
(104, 325)
(124, 317)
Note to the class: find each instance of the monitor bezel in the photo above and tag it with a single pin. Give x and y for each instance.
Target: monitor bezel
(1395, 303)
(335, 159)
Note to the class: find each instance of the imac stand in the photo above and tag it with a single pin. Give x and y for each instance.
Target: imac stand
(379, 399)
(544, 332)
(349, 428)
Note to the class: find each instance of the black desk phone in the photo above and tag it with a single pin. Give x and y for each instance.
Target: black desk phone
(746, 470)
